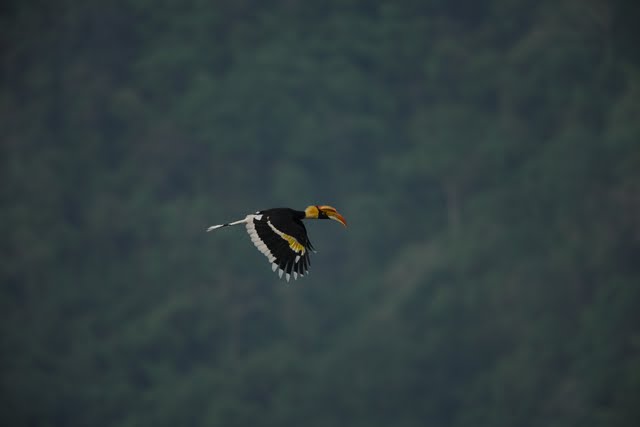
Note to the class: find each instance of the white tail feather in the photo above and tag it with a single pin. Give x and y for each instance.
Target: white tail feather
(214, 227)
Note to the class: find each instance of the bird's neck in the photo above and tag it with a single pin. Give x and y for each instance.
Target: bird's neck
(311, 212)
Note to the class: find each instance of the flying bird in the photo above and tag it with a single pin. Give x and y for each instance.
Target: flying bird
(282, 237)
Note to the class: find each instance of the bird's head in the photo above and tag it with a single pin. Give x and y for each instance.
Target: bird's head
(324, 212)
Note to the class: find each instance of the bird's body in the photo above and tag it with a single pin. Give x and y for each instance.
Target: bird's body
(282, 237)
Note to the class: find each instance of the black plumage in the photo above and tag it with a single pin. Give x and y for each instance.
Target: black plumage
(289, 223)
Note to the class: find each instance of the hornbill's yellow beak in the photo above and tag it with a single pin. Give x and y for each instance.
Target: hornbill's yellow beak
(333, 214)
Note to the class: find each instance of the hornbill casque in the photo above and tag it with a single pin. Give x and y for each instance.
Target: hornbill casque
(282, 237)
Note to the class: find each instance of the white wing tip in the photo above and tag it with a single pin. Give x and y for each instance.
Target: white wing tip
(213, 227)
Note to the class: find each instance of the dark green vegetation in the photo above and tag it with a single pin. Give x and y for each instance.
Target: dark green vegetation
(485, 154)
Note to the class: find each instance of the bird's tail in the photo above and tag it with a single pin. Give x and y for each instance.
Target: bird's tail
(214, 227)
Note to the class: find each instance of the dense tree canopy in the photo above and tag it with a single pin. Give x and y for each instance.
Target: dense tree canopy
(485, 153)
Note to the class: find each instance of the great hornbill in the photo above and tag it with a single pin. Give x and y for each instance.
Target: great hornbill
(282, 237)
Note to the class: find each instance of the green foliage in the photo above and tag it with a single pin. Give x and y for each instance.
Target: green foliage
(485, 154)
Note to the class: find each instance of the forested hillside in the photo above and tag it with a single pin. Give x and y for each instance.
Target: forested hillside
(486, 155)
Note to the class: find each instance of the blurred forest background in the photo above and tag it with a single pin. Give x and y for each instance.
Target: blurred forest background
(485, 153)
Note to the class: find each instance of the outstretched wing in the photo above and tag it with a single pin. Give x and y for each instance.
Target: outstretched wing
(287, 250)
